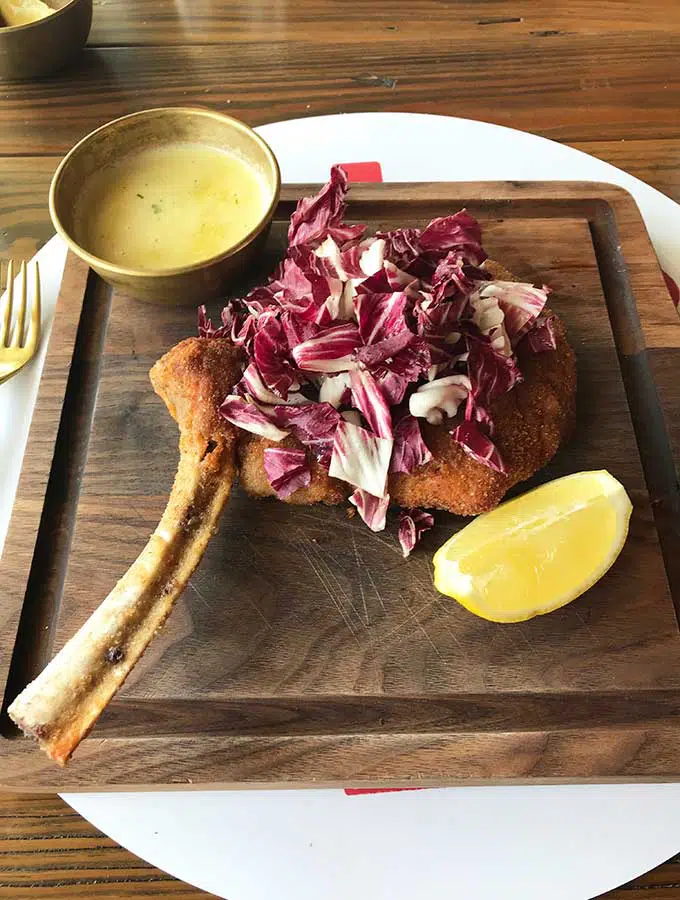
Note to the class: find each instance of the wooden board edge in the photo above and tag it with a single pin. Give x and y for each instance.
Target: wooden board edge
(494, 191)
(589, 755)
(636, 330)
(22, 536)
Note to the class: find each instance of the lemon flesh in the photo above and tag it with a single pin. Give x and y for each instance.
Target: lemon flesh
(23, 12)
(537, 552)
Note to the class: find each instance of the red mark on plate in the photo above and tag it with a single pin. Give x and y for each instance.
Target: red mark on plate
(352, 792)
(673, 289)
(363, 171)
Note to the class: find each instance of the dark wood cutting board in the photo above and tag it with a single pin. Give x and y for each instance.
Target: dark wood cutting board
(306, 651)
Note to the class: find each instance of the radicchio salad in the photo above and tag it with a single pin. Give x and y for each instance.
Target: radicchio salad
(356, 339)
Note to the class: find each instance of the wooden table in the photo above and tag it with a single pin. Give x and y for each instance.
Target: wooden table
(602, 77)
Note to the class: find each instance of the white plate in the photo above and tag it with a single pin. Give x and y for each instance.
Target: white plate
(514, 843)
(17, 396)
(570, 842)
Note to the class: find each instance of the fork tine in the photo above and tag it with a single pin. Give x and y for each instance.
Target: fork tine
(7, 316)
(33, 334)
(18, 336)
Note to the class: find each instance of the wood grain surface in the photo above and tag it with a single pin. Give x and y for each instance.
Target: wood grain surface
(612, 69)
(595, 88)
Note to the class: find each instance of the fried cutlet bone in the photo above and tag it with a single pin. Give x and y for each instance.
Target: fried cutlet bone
(66, 699)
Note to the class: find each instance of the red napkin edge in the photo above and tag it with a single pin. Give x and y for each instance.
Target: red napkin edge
(368, 172)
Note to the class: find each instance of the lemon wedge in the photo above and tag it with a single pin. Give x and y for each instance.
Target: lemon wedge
(23, 12)
(537, 552)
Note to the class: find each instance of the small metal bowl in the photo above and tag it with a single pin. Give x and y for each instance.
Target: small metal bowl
(107, 145)
(45, 46)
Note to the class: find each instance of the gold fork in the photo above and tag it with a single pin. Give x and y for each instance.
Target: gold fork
(17, 350)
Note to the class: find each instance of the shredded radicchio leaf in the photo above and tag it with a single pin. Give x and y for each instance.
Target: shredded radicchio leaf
(413, 523)
(334, 389)
(489, 319)
(401, 246)
(252, 385)
(455, 277)
(314, 216)
(410, 450)
(369, 400)
(250, 417)
(330, 351)
(270, 350)
(491, 373)
(387, 349)
(381, 316)
(542, 338)
(287, 470)
(313, 425)
(355, 339)
(205, 326)
(373, 510)
(478, 445)
(393, 386)
(460, 232)
(361, 458)
(521, 304)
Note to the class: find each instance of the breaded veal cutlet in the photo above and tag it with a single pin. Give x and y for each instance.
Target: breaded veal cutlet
(531, 422)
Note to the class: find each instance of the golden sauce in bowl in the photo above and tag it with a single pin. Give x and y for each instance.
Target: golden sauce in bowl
(170, 206)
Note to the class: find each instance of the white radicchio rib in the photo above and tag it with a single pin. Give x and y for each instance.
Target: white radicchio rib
(250, 417)
(439, 398)
(520, 303)
(490, 319)
(334, 389)
(373, 510)
(361, 458)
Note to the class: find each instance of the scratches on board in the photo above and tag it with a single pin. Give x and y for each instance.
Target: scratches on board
(348, 525)
(258, 553)
(330, 574)
(321, 570)
(377, 592)
(355, 585)
(450, 631)
(414, 616)
(256, 609)
(358, 600)
(360, 568)
(586, 624)
(201, 596)
(390, 546)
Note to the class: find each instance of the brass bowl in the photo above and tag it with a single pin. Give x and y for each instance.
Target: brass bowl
(194, 283)
(43, 47)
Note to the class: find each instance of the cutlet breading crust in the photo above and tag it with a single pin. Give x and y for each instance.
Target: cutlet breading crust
(193, 379)
(531, 421)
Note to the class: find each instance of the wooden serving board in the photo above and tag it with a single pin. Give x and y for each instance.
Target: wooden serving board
(306, 651)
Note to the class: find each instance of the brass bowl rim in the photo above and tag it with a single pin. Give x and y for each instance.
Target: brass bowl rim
(55, 14)
(96, 262)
